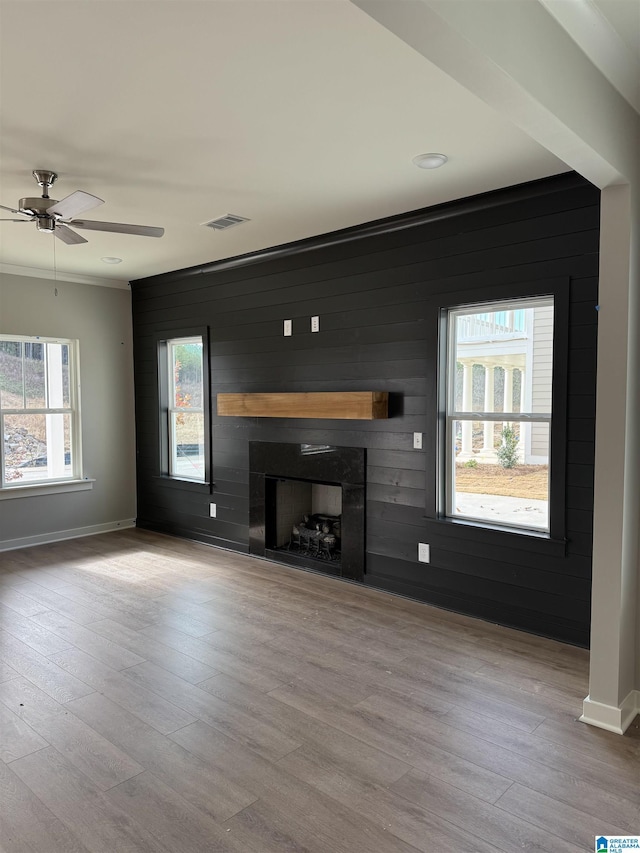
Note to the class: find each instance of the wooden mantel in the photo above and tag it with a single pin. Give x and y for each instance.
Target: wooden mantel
(338, 405)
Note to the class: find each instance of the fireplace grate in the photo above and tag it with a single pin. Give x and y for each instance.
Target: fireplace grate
(317, 536)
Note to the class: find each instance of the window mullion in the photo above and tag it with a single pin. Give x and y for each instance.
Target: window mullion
(451, 364)
(172, 440)
(172, 377)
(498, 417)
(2, 434)
(24, 389)
(47, 393)
(449, 467)
(38, 411)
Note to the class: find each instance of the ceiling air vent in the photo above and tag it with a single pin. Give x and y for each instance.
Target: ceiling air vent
(223, 222)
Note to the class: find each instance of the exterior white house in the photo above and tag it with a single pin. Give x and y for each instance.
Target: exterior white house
(504, 360)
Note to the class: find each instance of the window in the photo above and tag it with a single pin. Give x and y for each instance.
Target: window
(39, 415)
(185, 410)
(499, 386)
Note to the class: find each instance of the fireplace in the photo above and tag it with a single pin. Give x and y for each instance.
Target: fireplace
(307, 506)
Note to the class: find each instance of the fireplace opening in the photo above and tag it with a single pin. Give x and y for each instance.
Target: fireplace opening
(307, 506)
(307, 520)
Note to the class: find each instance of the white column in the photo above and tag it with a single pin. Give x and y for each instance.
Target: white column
(524, 447)
(489, 389)
(614, 677)
(507, 405)
(508, 390)
(467, 405)
(509, 320)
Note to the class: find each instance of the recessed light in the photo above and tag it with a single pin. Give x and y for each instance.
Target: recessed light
(111, 260)
(430, 161)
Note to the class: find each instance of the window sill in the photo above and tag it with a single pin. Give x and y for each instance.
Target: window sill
(186, 485)
(511, 537)
(39, 489)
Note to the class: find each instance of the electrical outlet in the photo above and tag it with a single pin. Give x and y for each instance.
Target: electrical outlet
(212, 510)
(287, 328)
(315, 324)
(417, 441)
(424, 555)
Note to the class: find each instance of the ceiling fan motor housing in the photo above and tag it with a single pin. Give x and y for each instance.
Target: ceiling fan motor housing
(37, 206)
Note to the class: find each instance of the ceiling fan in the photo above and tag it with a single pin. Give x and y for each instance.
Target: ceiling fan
(54, 217)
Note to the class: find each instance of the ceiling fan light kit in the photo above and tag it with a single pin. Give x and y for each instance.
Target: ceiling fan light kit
(53, 217)
(46, 224)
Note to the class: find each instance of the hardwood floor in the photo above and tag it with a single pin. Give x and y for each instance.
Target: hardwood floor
(159, 695)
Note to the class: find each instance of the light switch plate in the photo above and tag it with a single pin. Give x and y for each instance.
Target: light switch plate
(417, 441)
(315, 324)
(212, 511)
(287, 328)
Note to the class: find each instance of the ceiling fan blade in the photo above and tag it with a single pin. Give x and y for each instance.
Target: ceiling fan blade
(13, 210)
(74, 204)
(15, 220)
(68, 236)
(118, 228)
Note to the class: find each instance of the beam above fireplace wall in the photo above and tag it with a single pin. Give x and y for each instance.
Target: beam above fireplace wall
(339, 405)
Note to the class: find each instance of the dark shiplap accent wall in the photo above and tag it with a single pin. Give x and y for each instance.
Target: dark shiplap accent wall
(372, 293)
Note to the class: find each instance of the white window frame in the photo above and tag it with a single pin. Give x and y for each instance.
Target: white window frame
(172, 409)
(452, 415)
(73, 410)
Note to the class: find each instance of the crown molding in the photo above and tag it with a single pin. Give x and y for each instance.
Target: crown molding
(73, 278)
(402, 221)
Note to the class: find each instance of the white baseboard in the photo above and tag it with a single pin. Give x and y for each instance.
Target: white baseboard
(60, 535)
(611, 717)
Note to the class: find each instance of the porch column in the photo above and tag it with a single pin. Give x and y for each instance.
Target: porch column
(467, 405)
(489, 389)
(524, 445)
(508, 389)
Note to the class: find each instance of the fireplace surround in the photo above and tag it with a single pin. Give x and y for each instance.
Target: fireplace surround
(274, 464)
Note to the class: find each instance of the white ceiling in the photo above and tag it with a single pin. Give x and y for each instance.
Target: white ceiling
(302, 115)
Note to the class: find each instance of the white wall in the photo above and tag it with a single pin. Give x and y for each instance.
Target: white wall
(100, 318)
